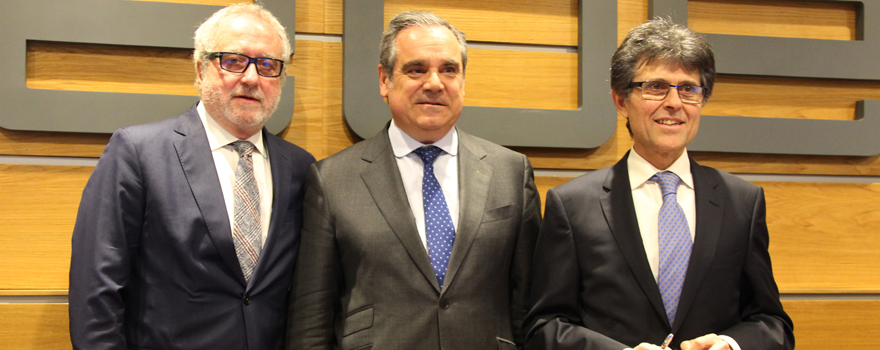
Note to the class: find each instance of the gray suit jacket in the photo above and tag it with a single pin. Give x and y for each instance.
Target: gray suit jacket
(364, 280)
(153, 263)
(594, 289)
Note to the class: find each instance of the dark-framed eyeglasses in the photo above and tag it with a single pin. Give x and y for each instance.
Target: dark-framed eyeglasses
(657, 91)
(238, 63)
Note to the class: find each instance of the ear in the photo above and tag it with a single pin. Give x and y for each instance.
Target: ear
(198, 71)
(620, 103)
(384, 82)
(461, 90)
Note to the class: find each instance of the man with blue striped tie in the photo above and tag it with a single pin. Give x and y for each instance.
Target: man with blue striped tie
(657, 245)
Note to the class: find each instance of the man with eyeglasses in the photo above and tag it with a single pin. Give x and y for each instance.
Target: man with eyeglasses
(188, 228)
(657, 246)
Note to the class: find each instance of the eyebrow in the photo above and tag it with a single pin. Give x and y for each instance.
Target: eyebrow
(410, 64)
(419, 63)
(240, 52)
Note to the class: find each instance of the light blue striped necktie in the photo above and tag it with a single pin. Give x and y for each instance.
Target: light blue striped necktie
(675, 243)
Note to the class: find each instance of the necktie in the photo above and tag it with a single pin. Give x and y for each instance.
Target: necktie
(675, 243)
(246, 222)
(438, 224)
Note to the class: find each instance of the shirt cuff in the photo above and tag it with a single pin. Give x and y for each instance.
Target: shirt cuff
(731, 342)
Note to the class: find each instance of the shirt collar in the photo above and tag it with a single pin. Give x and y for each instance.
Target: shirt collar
(640, 171)
(403, 144)
(218, 137)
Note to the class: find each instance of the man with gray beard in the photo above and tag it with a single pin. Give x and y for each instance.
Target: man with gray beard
(188, 228)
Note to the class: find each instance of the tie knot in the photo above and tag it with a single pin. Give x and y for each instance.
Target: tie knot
(243, 148)
(668, 182)
(428, 153)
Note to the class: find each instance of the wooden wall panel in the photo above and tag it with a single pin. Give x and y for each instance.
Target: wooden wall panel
(823, 236)
(39, 210)
(91, 67)
(834, 324)
(818, 324)
(502, 78)
(827, 20)
(307, 72)
(34, 327)
(550, 75)
(815, 229)
(521, 21)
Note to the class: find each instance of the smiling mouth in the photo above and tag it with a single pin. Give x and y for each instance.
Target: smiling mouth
(668, 122)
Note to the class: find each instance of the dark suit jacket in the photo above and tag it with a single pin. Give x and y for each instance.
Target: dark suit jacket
(364, 279)
(153, 263)
(593, 288)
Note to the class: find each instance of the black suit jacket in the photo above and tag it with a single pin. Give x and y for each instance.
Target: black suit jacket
(153, 263)
(364, 279)
(593, 287)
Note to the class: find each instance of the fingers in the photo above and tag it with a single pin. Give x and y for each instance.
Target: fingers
(646, 346)
(706, 342)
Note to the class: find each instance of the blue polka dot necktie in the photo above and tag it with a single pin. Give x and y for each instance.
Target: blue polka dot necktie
(246, 232)
(675, 243)
(438, 223)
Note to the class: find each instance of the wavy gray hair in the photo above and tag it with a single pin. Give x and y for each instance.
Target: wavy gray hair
(661, 39)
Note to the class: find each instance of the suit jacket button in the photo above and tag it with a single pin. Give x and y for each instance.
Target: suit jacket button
(246, 299)
(444, 304)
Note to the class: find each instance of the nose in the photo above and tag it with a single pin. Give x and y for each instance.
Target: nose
(672, 102)
(432, 82)
(250, 76)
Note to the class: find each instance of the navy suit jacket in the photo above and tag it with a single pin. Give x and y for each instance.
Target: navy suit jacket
(153, 263)
(593, 287)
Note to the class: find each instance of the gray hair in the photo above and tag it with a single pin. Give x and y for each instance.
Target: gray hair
(403, 20)
(661, 39)
(206, 38)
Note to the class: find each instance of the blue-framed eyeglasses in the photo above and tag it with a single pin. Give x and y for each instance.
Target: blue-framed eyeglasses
(238, 63)
(657, 91)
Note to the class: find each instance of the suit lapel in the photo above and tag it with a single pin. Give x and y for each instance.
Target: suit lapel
(620, 214)
(710, 205)
(382, 178)
(280, 166)
(474, 177)
(194, 153)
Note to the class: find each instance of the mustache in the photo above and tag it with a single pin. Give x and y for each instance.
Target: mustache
(249, 91)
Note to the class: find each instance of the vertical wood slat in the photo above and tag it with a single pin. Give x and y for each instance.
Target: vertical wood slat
(39, 209)
(34, 327)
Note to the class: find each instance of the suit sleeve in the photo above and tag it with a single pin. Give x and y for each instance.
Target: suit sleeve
(316, 279)
(525, 249)
(105, 235)
(554, 321)
(763, 323)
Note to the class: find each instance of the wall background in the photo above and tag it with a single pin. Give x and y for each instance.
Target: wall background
(823, 211)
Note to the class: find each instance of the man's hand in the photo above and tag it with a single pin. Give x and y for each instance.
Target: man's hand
(706, 342)
(646, 346)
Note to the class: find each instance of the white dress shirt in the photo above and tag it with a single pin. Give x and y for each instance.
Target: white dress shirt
(647, 199)
(412, 171)
(226, 162)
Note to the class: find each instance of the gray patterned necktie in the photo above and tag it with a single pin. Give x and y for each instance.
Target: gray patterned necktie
(246, 229)
(675, 243)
